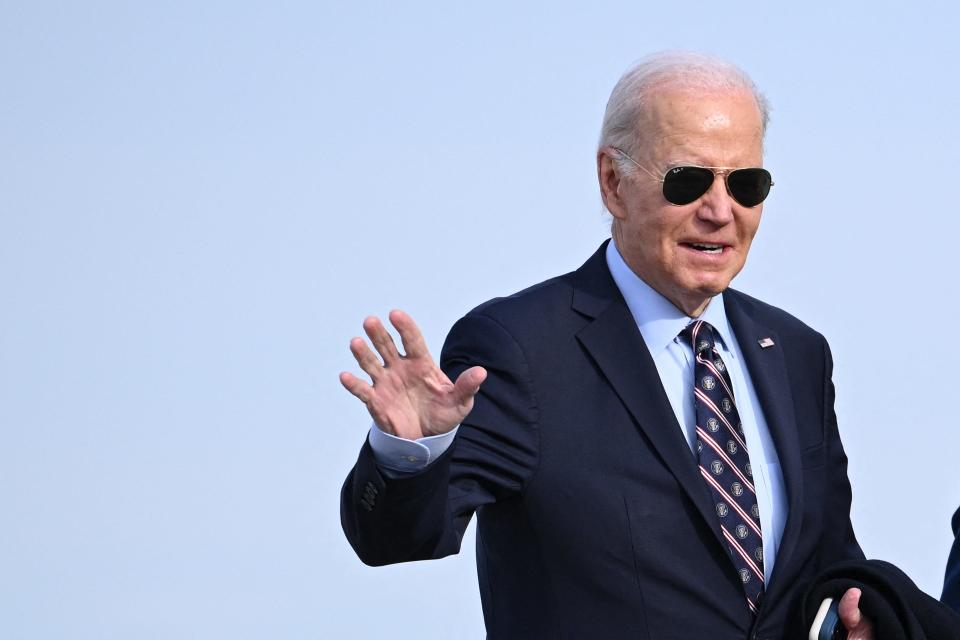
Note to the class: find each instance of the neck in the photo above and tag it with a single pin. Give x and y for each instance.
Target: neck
(691, 305)
(693, 308)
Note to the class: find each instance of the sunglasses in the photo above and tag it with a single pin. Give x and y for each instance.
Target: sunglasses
(685, 184)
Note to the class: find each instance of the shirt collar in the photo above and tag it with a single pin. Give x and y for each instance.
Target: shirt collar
(658, 320)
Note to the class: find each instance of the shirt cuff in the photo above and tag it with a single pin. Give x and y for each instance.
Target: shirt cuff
(408, 456)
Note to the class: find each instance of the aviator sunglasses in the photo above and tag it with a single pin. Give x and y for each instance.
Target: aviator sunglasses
(684, 184)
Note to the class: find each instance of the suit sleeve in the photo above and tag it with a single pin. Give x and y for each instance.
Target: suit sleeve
(424, 515)
(951, 583)
(840, 541)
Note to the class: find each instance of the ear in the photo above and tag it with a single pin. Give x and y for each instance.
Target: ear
(611, 182)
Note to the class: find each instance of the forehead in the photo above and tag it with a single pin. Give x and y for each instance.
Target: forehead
(717, 128)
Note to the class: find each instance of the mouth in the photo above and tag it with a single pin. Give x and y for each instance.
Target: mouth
(708, 248)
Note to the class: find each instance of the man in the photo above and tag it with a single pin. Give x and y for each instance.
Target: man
(951, 583)
(614, 498)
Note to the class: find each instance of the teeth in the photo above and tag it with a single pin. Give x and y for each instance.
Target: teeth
(708, 248)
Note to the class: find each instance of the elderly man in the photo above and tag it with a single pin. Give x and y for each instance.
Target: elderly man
(650, 454)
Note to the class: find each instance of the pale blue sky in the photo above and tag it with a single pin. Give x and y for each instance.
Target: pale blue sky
(199, 202)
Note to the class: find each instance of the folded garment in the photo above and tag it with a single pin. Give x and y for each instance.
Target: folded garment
(898, 608)
(951, 581)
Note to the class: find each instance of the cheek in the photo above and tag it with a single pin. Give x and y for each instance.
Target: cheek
(654, 236)
(664, 247)
(752, 223)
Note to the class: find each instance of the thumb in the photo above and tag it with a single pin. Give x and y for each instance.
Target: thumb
(849, 609)
(468, 384)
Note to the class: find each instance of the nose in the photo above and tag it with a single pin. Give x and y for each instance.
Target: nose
(716, 205)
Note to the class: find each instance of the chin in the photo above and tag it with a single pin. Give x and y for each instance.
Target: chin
(711, 283)
(710, 287)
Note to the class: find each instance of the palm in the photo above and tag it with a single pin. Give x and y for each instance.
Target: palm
(410, 396)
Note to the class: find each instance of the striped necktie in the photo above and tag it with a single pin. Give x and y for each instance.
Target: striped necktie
(725, 462)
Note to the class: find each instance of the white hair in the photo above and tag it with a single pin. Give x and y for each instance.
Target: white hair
(673, 69)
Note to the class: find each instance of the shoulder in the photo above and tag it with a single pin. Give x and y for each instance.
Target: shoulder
(553, 304)
(526, 323)
(531, 306)
(786, 325)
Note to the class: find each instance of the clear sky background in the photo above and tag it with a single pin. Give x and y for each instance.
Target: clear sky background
(200, 201)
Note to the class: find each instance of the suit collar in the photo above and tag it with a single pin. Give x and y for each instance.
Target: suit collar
(593, 287)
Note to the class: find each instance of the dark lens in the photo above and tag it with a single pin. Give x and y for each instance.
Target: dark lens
(749, 187)
(683, 185)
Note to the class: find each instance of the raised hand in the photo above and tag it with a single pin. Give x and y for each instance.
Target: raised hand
(410, 396)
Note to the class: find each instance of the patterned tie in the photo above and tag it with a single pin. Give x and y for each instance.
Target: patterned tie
(724, 461)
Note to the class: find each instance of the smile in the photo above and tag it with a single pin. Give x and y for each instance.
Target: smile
(705, 247)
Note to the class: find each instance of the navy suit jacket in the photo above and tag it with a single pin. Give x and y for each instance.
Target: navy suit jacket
(593, 520)
(951, 584)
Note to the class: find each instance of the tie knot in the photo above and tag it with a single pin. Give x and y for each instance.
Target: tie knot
(699, 335)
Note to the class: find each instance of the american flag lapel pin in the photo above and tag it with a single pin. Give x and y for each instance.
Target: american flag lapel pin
(765, 342)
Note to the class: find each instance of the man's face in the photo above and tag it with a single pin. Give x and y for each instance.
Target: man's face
(663, 242)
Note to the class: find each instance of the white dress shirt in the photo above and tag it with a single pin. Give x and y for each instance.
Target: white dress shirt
(660, 324)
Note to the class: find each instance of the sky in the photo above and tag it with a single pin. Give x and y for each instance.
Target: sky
(200, 202)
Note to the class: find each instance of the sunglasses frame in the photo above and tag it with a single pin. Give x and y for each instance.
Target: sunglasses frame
(724, 172)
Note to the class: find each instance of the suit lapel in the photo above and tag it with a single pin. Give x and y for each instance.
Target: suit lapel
(768, 371)
(614, 342)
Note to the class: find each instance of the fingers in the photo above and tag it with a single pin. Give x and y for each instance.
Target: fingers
(356, 386)
(414, 345)
(367, 360)
(468, 384)
(381, 340)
